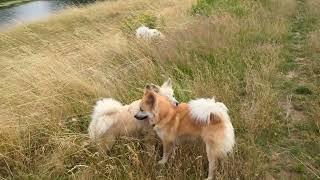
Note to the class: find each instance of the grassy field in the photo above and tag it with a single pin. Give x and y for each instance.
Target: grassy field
(261, 58)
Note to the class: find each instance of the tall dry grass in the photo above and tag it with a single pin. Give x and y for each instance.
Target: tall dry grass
(53, 72)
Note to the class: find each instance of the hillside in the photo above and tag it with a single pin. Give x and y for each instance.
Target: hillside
(261, 58)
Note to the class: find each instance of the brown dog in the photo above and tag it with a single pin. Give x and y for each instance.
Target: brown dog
(202, 117)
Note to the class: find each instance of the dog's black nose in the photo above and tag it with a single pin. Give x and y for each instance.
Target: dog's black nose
(140, 117)
(177, 103)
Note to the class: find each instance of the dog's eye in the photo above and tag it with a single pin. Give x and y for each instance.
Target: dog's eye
(141, 109)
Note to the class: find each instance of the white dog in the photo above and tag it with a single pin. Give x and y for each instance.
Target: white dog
(144, 32)
(111, 119)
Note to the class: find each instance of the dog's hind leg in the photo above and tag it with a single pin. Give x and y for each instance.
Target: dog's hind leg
(212, 158)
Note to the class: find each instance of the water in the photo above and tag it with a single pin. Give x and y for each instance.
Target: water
(34, 10)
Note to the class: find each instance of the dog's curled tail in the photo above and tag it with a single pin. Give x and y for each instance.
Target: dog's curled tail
(100, 123)
(208, 111)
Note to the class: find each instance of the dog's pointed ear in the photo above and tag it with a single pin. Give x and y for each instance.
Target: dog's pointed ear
(167, 84)
(155, 88)
(150, 97)
(151, 88)
(147, 89)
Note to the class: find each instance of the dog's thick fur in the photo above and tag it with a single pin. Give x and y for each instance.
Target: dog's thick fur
(146, 33)
(111, 119)
(202, 117)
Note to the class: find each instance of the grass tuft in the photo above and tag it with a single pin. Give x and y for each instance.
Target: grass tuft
(131, 23)
(303, 90)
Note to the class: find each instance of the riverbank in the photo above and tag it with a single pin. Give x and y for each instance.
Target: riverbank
(258, 57)
(10, 3)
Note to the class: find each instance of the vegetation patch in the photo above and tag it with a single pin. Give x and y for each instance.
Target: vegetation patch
(207, 7)
(303, 90)
(131, 23)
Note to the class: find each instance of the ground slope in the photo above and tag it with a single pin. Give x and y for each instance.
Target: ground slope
(261, 58)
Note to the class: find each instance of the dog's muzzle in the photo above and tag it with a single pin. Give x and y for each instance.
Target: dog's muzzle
(140, 117)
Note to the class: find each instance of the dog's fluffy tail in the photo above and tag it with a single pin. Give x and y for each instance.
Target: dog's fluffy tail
(100, 123)
(207, 110)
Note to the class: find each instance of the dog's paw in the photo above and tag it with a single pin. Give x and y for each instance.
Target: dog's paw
(162, 161)
(208, 178)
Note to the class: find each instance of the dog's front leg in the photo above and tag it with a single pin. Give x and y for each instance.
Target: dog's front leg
(167, 150)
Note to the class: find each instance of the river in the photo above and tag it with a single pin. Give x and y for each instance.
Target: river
(34, 10)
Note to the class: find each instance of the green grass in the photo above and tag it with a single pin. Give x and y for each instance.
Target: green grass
(135, 21)
(238, 51)
(207, 7)
(302, 88)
